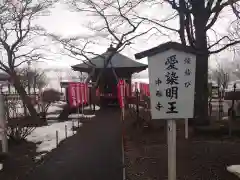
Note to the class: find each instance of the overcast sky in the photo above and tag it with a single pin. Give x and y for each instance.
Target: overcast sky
(65, 23)
(69, 24)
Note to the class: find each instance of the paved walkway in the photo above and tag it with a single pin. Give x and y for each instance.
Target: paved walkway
(94, 153)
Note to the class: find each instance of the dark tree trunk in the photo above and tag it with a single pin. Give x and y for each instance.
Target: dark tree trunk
(25, 98)
(201, 96)
(9, 88)
(34, 85)
(201, 85)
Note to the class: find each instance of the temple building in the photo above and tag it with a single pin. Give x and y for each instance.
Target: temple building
(119, 66)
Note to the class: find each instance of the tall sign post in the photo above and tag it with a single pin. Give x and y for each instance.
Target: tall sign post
(172, 89)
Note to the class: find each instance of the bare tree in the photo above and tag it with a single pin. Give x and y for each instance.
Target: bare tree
(120, 21)
(235, 7)
(221, 76)
(114, 21)
(17, 32)
(41, 81)
(32, 79)
(196, 28)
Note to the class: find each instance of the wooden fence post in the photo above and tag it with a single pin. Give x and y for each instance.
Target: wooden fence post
(232, 113)
(56, 138)
(65, 131)
(73, 127)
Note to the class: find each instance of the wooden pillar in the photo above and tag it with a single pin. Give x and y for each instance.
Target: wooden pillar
(66, 95)
(130, 85)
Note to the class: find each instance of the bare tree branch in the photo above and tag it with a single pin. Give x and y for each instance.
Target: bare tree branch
(216, 12)
(225, 47)
(117, 19)
(16, 35)
(158, 23)
(16, 22)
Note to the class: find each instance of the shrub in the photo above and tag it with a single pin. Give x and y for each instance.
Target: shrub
(48, 97)
(19, 133)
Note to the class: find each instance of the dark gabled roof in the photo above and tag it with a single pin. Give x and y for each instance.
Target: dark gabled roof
(117, 61)
(164, 47)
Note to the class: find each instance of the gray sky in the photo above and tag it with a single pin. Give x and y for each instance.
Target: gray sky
(69, 24)
(66, 23)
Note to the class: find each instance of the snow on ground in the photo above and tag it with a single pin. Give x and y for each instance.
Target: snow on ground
(54, 108)
(60, 103)
(134, 106)
(89, 107)
(80, 116)
(235, 169)
(45, 136)
(49, 116)
(74, 115)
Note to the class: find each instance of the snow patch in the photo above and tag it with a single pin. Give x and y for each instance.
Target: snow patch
(45, 136)
(52, 116)
(134, 106)
(54, 108)
(80, 116)
(60, 103)
(235, 169)
(89, 107)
